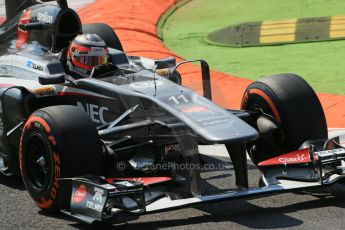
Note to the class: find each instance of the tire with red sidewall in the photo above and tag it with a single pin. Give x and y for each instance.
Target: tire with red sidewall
(57, 142)
(293, 105)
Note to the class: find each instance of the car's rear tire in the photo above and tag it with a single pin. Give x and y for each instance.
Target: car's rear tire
(106, 33)
(290, 105)
(57, 142)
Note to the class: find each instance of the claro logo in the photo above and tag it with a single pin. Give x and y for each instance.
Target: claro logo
(45, 17)
(95, 112)
(298, 158)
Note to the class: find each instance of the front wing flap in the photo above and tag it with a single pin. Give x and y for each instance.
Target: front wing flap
(96, 200)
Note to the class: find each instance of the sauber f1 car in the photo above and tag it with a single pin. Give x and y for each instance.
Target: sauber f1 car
(91, 147)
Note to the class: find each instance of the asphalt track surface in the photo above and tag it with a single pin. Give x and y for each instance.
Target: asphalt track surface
(291, 210)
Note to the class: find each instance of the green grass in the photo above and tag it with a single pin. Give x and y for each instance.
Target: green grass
(322, 64)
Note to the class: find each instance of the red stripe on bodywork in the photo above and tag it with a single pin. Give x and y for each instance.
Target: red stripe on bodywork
(144, 180)
(6, 85)
(75, 94)
(297, 157)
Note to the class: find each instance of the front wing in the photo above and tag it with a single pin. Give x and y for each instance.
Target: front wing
(93, 199)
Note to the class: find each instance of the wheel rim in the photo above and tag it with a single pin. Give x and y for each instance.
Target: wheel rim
(263, 151)
(38, 162)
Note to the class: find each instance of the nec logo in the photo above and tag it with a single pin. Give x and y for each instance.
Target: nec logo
(34, 66)
(95, 112)
(45, 17)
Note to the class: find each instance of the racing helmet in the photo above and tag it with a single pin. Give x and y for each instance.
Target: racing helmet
(85, 52)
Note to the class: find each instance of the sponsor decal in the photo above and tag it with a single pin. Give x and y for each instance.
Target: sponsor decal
(45, 17)
(214, 120)
(97, 49)
(195, 109)
(94, 206)
(95, 112)
(146, 84)
(57, 173)
(108, 186)
(97, 200)
(44, 90)
(34, 66)
(98, 195)
(128, 184)
(80, 194)
(329, 153)
(297, 159)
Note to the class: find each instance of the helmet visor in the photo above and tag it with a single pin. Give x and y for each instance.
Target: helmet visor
(91, 58)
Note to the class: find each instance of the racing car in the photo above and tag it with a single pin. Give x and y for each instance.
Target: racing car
(90, 147)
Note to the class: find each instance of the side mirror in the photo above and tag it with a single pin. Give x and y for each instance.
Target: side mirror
(165, 63)
(175, 76)
(205, 74)
(62, 3)
(51, 79)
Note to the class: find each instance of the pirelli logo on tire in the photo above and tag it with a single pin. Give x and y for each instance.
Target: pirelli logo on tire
(275, 32)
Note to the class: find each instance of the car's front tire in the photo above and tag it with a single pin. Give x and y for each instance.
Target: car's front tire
(290, 114)
(57, 142)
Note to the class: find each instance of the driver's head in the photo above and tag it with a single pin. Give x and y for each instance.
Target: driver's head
(85, 52)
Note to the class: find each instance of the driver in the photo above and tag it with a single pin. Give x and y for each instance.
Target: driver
(85, 52)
